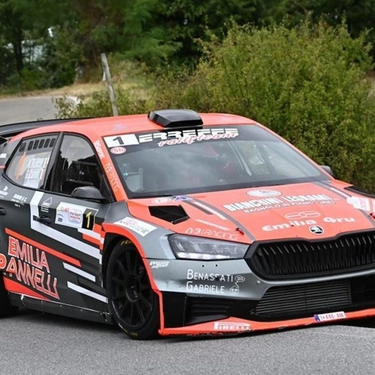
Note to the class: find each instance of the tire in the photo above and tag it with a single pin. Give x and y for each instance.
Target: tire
(6, 309)
(131, 300)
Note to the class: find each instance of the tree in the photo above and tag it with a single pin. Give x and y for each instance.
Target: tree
(12, 31)
(359, 15)
(24, 26)
(126, 27)
(309, 84)
(189, 20)
(73, 34)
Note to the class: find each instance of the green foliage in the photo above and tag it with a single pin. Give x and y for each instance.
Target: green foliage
(306, 81)
(359, 15)
(125, 27)
(61, 57)
(307, 84)
(155, 32)
(188, 21)
(100, 105)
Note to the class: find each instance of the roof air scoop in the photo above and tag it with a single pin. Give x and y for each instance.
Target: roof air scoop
(176, 118)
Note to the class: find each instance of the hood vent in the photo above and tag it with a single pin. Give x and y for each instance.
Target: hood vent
(358, 190)
(172, 214)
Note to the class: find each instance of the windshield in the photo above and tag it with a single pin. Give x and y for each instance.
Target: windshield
(208, 159)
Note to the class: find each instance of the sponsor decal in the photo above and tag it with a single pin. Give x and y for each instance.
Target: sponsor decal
(35, 172)
(181, 198)
(46, 205)
(187, 136)
(118, 150)
(204, 276)
(19, 200)
(204, 288)
(269, 228)
(75, 216)
(99, 150)
(193, 138)
(334, 220)
(121, 140)
(330, 316)
(236, 288)
(29, 265)
(136, 225)
(231, 326)
(263, 193)
(300, 223)
(211, 224)
(155, 264)
(212, 233)
(212, 283)
(37, 163)
(316, 229)
(112, 177)
(4, 191)
(302, 215)
(161, 200)
(362, 203)
(262, 204)
(61, 237)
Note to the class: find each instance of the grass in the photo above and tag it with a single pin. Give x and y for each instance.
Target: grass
(126, 76)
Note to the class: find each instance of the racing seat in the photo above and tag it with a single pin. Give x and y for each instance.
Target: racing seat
(80, 173)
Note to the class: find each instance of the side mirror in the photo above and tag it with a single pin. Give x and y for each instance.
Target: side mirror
(89, 193)
(328, 169)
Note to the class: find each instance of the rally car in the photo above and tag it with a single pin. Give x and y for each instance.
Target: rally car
(179, 223)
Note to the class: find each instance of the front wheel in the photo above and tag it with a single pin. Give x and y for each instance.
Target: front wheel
(132, 302)
(6, 309)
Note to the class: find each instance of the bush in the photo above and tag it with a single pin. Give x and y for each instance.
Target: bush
(100, 106)
(308, 84)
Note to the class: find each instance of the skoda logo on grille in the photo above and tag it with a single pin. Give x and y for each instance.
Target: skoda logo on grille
(316, 229)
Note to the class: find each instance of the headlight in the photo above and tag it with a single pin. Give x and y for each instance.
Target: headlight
(188, 247)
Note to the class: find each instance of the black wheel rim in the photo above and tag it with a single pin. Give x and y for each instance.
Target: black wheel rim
(132, 296)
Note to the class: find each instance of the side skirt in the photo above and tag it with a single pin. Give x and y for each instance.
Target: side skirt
(58, 308)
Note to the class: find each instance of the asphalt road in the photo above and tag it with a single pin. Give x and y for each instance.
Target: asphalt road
(26, 109)
(34, 343)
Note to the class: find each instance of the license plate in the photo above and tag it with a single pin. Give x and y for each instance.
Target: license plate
(329, 316)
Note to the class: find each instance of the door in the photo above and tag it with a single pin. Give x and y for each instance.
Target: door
(71, 227)
(24, 263)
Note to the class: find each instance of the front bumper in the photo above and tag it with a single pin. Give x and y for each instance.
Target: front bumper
(234, 325)
(227, 297)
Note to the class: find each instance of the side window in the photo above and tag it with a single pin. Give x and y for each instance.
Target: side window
(76, 166)
(29, 164)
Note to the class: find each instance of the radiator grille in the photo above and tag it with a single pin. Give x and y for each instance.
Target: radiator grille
(304, 299)
(287, 302)
(294, 259)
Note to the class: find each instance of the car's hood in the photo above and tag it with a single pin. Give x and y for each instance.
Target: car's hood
(308, 210)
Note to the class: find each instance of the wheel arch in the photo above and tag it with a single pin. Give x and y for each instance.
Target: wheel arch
(111, 240)
(116, 245)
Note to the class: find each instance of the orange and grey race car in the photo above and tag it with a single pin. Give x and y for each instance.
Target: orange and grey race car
(179, 223)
